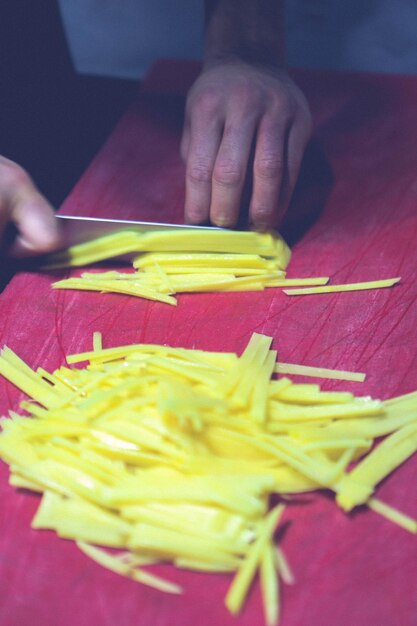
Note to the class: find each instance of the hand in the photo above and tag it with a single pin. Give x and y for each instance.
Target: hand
(23, 205)
(241, 119)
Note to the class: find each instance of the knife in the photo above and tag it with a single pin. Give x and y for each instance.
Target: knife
(76, 229)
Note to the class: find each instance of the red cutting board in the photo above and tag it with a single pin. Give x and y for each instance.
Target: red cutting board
(356, 570)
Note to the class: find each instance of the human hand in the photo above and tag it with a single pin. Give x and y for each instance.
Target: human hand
(242, 119)
(22, 205)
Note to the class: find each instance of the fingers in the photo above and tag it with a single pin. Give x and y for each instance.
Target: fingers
(216, 145)
(36, 223)
(230, 171)
(238, 119)
(279, 151)
(268, 172)
(202, 144)
(23, 205)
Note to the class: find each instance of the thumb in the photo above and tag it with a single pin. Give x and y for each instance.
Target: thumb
(35, 222)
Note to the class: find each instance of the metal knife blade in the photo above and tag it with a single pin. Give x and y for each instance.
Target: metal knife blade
(82, 229)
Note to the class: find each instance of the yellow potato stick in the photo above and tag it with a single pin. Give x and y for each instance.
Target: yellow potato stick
(251, 371)
(193, 261)
(205, 282)
(202, 566)
(388, 455)
(228, 241)
(393, 515)
(170, 455)
(105, 355)
(61, 387)
(269, 586)
(133, 559)
(115, 565)
(97, 342)
(38, 389)
(276, 386)
(311, 395)
(259, 409)
(162, 541)
(318, 372)
(98, 250)
(210, 259)
(338, 444)
(111, 275)
(114, 287)
(217, 241)
(315, 412)
(179, 262)
(8, 356)
(258, 344)
(374, 284)
(297, 282)
(238, 590)
(283, 567)
(402, 400)
(182, 272)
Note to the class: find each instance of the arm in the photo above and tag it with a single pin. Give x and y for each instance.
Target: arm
(244, 115)
(23, 205)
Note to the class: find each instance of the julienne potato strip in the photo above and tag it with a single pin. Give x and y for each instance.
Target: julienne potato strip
(393, 515)
(125, 569)
(155, 283)
(170, 455)
(374, 284)
(269, 585)
(182, 262)
(190, 261)
(114, 286)
(319, 372)
(184, 240)
(239, 588)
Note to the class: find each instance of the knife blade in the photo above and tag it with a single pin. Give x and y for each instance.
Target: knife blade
(77, 229)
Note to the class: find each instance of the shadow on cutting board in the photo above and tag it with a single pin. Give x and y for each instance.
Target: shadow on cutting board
(310, 194)
(309, 197)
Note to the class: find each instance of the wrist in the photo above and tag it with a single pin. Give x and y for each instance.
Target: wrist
(245, 31)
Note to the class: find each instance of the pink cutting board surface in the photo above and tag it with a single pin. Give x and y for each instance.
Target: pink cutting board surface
(356, 570)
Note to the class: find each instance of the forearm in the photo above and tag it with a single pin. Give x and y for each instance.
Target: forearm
(251, 31)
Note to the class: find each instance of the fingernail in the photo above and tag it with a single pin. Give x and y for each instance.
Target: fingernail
(195, 218)
(261, 226)
(223, 221)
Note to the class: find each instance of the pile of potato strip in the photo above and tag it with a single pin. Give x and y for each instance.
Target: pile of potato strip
(171, 262)
(172, 455)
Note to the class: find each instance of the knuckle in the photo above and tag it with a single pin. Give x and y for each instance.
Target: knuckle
(227, 173)
(199, 171)
(206, 103)
(268, 167)
(262, 210)
(196, 215)
(282, 105)
(262, 215)
(245, 97)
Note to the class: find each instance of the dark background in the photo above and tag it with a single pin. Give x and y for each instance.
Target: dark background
(52, 121)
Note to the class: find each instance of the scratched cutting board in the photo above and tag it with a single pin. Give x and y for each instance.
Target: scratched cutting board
(350, 571)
